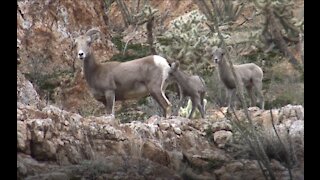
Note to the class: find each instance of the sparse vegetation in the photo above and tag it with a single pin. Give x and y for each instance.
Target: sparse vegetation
(276, 145)
(93, 169)
(45, 82)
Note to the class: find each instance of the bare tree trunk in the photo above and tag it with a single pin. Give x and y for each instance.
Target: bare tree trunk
(138, 6)
(125, 12)
(150, 35)
(278, 39)
(204, 8)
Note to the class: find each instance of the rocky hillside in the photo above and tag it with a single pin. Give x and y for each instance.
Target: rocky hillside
(62, 133)
(56, 144)
(46, 29)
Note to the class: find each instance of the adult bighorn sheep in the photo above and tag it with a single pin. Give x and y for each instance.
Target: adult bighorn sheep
(192, 86)
(113, 81)
(250, 76)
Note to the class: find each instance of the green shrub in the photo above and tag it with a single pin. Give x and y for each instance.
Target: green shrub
(136, 50)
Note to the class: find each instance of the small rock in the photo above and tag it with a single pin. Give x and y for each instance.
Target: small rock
(234, 166)
(177, 130)
(277, 165)
(221, 125)
(164, 126)
(297, 129)
(222, 137)
(153, 119)
(220, 171)
(66, 123)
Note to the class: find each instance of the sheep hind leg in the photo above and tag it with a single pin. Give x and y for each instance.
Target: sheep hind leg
(258, 88)
(202, 94)
(202, 107)
(230, 94)
(201, 110)
(161, 99)
(194, 105)
(252, 96)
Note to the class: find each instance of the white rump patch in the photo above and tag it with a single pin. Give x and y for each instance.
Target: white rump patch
(160, 61)
(164, 65)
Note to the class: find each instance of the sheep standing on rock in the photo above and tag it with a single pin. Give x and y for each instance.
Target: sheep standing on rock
(112, 81)
(189, 85)
(250, 76)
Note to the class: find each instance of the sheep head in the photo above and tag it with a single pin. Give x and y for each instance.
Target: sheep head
(83, 43)
(217, 55)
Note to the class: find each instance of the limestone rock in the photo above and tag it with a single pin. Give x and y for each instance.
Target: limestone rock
(26, 93)
(221, 125)
(222, 137)
(177, 144)
(297, 129)
(291, 112)
(155, 154)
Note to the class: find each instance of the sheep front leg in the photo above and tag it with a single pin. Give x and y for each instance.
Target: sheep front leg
(193, 108)
(262, 101)
(201, 110)
(110, 99)
(202, 106)
(230, 94)
(196, 104)
(252, 97)
(258, 88)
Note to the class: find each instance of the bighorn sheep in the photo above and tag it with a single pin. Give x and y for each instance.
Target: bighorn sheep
(113, 81)
(250, 76)
(192, 86)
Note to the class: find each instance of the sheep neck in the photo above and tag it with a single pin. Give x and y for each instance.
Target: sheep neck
(90, 65)
(226, 74)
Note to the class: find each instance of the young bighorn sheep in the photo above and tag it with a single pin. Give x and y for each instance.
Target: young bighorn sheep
(250, 76)
(192, 86)
(113, 81)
